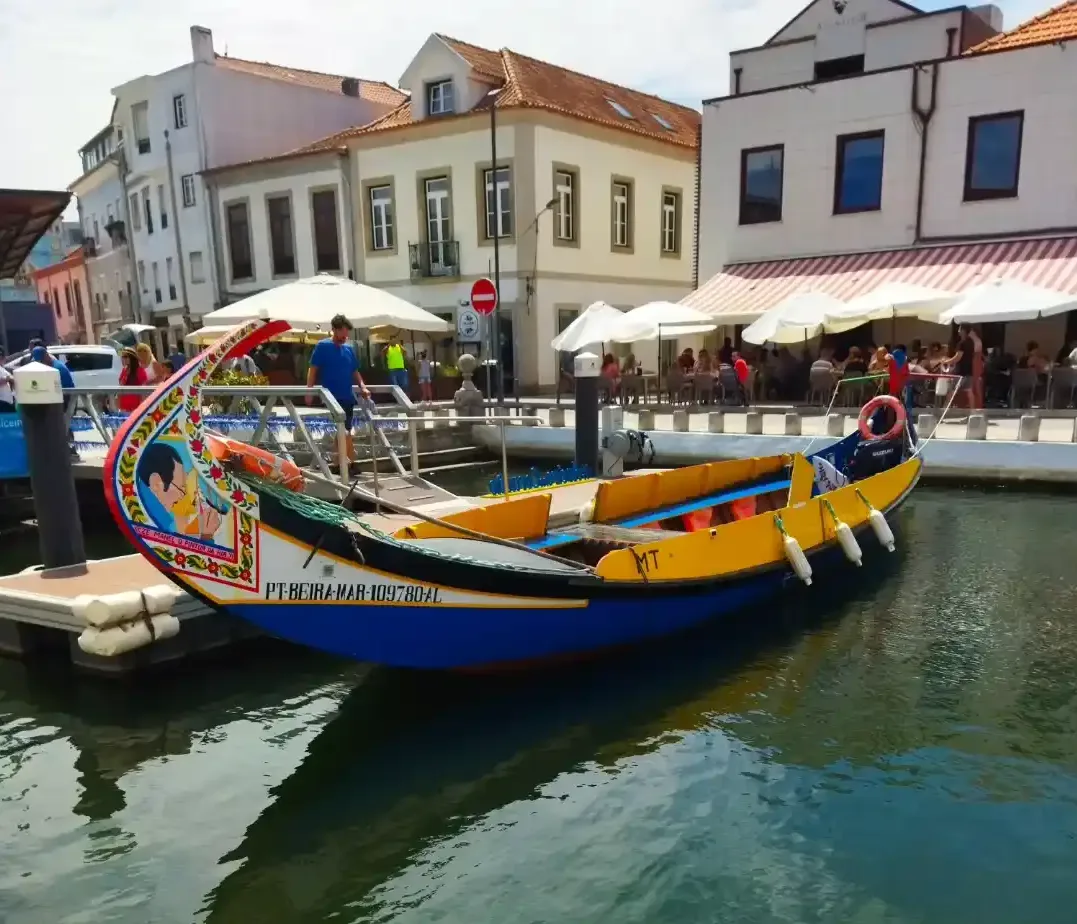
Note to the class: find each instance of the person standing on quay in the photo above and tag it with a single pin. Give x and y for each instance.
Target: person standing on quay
(394, 362)
(335, 367)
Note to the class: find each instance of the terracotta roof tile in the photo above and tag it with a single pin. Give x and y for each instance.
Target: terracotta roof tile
(529, 83)
(1057, 24)
(547, 86)
(481, 60)
(375, 91)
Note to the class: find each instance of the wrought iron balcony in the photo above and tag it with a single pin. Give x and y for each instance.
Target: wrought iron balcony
(434, 259)
(117, 231)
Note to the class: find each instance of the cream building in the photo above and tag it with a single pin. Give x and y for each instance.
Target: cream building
(874, 142)
(592, 198)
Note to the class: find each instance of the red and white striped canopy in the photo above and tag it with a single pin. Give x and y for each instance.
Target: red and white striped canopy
(744, 291)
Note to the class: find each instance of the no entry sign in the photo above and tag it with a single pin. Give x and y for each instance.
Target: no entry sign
(484, 296)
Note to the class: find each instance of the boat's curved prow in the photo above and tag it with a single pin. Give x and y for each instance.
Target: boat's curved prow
(173, 500)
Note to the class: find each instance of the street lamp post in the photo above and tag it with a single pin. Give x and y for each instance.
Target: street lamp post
(531, 288)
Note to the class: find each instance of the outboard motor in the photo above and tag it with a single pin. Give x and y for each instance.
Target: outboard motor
(873, 456)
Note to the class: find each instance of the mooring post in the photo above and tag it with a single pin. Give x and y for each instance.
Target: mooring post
(587, 369)
(48, 452)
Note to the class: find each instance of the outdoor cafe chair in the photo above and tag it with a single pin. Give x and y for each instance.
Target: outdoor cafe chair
(820, 386)
(1024, 383)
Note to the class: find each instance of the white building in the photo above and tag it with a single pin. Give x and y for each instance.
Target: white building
(102, 215)
(870, 141)
(592, 198)
(210, 111)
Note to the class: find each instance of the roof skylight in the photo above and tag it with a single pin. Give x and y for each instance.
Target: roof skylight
(619, 109)
(663, 122)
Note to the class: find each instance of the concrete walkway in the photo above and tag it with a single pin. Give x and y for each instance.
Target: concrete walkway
(1052, 429)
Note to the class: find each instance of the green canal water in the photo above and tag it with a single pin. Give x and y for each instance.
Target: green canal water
(895, 746)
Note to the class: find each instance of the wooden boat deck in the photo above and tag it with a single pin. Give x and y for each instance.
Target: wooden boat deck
(565, 504)
(107, 576)
(630, 529)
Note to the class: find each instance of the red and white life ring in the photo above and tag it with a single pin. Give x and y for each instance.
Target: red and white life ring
(868, 411)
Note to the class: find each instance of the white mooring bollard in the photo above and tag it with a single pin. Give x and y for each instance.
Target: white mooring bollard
(976, 429)
(1028, 429)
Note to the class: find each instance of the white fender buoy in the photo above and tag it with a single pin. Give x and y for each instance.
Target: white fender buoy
(882, 530)
(848, 543)
(111, 641)
(846, 539)
(797, 558)
(160, 598)
(107, 609)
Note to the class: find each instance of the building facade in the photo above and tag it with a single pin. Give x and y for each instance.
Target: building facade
(591, 197)
(64, 287)
(54, 245)
(879, 143)
(211, 111)
(99, 192)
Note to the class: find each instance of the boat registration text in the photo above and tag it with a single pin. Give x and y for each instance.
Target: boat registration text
(361, 593)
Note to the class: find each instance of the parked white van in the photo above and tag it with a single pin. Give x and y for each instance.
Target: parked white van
(90, 365)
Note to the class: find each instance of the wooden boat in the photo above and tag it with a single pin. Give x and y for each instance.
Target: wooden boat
(492, 586)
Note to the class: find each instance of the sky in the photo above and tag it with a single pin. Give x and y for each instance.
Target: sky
(59, 59)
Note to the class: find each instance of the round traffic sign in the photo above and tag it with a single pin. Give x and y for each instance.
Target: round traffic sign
(484, 296)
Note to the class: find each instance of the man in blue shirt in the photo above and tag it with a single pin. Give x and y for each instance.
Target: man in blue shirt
(335, 367)
(40, 354)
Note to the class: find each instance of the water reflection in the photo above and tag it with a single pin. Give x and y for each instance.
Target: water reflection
(75, 754)
(908, 755)
(415, 760)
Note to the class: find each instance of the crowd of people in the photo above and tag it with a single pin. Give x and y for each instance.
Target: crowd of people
(981, 376)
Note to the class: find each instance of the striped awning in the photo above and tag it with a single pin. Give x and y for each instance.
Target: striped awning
(743, 291)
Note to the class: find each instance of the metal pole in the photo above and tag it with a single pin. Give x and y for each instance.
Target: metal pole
(497, 250)
(413, 439)
(489, 326)
(504, 459)
(374, 467)
(587, 371)
(48, 452)
(659, 401)
(176, 234)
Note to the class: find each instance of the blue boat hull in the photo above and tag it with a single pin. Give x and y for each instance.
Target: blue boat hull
(438, 638)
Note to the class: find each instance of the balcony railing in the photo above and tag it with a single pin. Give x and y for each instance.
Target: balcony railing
(117, 231)
(434, 259)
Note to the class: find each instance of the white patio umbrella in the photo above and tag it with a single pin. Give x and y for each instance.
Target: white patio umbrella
(310, 304)
(796, 318)
(206, 335)
(1007, 300)
(662, 320)
(597, 324)
(895, 300)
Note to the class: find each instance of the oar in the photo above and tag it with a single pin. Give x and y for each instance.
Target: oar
(444, 524)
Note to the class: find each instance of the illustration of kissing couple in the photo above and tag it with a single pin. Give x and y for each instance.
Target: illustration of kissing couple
(171, 495)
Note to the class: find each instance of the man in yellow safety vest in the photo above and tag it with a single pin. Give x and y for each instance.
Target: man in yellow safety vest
(395, 363)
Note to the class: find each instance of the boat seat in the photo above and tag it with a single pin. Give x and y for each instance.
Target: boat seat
(601, 532)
